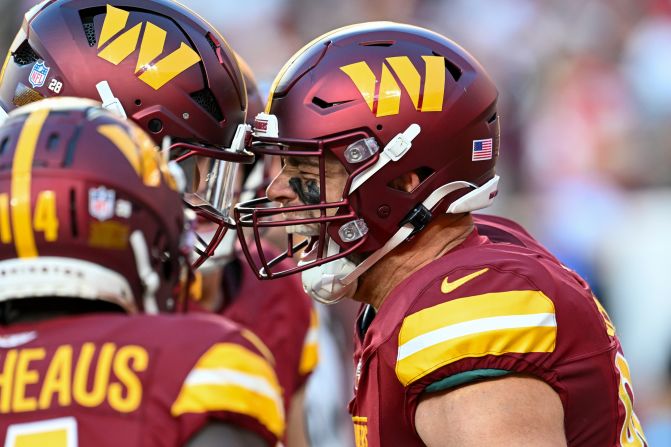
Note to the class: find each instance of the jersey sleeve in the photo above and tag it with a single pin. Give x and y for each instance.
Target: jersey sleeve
(232, 383)
(473, 324)
(284, 318)
(310, 352)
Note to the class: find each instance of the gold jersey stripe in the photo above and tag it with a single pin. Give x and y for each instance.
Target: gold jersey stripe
(239, 358)
(22, 166)
(229, 377)
(515, 302)
(494, 342)
(233, 398)
(489, 324)
(310, 354)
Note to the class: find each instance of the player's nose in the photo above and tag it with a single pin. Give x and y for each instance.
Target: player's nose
(280, 189)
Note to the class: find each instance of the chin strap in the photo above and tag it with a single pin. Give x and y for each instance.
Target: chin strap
(149, 277)
(110, 102)
(333, 281)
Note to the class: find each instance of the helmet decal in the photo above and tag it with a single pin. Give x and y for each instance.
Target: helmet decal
(156, 74)
(38, 74)
(22, 166)
(389, 94)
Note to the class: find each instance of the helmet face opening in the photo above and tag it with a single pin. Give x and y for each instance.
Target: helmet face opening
(389, 102)
(320, 214)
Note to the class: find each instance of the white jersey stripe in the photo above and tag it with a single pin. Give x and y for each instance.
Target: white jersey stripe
(225, 376)
(474, 327)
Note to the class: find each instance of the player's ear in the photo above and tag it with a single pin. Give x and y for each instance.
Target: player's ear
(406, 182)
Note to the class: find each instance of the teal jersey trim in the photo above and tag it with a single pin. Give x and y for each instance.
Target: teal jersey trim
(464, 377)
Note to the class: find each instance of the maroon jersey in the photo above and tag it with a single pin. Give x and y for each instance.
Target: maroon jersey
(116, 380)
(495, 305)
(283, 317)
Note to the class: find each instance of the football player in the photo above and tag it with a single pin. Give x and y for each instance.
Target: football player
(94, 246)
(172, 73)
(470, 332)
(279, 312)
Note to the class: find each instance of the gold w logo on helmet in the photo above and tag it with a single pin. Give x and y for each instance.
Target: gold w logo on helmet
(389, 93)
(155, 74)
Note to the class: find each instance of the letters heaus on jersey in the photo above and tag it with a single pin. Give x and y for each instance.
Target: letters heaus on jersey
(389, 92)
(155, 73)
(88, 375)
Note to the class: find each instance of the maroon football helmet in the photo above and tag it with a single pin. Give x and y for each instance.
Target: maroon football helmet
(384, 99)
(90, 209)
(153, 61)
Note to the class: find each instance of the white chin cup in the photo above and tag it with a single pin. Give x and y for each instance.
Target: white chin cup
(324, 282)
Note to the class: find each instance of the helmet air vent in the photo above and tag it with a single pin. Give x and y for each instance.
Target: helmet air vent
(377, 43)
(322, 104)
(86, 16)
(451, 67)
(25, 55)
(90, 31)
(52, 142)
(74, 229)
(205, 99)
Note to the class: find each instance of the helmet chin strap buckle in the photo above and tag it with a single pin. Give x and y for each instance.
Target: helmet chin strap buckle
(419, 218)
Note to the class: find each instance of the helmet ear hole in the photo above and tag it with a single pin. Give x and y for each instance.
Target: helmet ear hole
(155, 125)
(411, 180)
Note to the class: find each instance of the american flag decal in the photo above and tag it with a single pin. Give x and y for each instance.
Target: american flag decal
(482, 149)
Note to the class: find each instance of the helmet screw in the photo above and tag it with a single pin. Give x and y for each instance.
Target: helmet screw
(185, 115)
(384, 211)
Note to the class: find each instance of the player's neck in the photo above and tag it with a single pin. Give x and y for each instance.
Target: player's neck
(439, 237)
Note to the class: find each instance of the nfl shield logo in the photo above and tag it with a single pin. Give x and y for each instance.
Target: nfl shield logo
(38, 74)
(101, 203)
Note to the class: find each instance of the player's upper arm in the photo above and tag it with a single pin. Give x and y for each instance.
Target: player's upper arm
(217, 434)
(514, 410)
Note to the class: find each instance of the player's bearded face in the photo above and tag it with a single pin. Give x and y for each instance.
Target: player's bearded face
(298, 184)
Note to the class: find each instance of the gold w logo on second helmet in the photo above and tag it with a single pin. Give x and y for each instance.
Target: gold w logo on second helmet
(155, 74)
(389, 93)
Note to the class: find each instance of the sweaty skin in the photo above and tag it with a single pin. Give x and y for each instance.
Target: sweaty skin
(309, 194)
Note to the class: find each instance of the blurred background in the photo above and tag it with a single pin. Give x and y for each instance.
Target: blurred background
(585, 106)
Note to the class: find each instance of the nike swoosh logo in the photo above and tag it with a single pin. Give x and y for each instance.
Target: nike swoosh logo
(447, 286)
